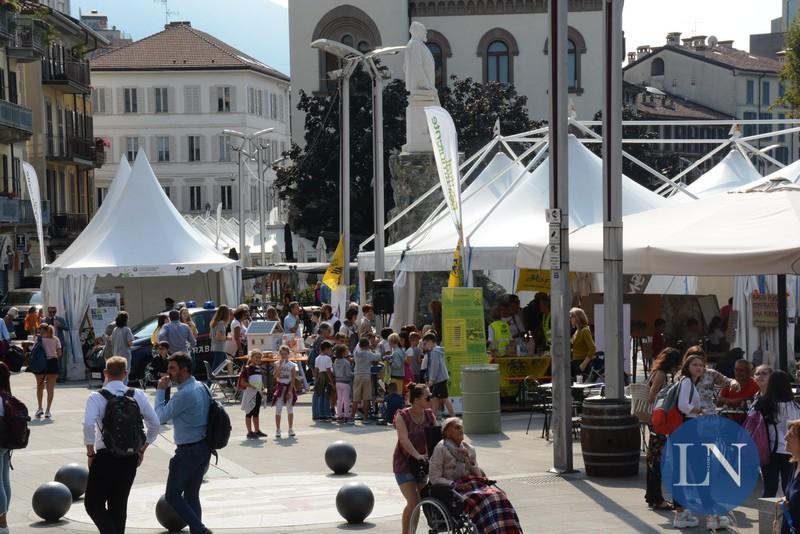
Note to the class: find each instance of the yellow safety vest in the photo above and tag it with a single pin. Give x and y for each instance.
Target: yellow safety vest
(546, 329)
(501, 333)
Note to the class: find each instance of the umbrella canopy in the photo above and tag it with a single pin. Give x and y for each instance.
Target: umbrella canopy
(322, 250)
(752, 232)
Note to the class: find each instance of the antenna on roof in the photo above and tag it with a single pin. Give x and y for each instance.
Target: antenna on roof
(167, 12)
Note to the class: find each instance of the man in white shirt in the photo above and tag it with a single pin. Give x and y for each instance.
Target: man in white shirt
(292, 321)
(111, 475)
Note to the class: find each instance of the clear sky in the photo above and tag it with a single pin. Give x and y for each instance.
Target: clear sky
(261, 27)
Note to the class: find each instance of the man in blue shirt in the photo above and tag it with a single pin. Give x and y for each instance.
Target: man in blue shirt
(178, 335)
(188, 411)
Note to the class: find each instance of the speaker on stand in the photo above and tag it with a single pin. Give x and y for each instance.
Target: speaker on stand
(383, 300)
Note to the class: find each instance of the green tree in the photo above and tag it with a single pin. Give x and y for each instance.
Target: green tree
(790, 72)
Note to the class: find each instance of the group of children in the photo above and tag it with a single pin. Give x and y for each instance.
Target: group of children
(252, 383)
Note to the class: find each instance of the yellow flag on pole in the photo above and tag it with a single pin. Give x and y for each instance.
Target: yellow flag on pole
(456, 271)
(333, 276)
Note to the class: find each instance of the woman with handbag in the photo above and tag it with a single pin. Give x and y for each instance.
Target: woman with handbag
(410, 458)
(666, 363)
(454, 463)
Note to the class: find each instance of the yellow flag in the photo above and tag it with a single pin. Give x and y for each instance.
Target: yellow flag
(333, 276)
(456, 271)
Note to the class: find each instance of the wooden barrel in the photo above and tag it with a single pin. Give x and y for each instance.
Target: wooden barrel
(610, 438)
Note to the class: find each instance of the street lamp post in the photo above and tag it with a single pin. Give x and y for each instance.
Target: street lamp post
(351, 58)
(250, 153)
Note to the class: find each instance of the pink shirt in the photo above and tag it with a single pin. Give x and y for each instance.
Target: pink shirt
(51, 346)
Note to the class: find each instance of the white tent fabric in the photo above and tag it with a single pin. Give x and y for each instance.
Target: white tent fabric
(791, 172)
(756, 232)
(502, 215)
(125, 242)
(732, 172)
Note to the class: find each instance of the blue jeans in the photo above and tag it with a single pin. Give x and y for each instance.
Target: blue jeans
(186, 471)
(5, 480)
(320, 406)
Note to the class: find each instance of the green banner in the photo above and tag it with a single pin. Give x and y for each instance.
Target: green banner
(463, 332)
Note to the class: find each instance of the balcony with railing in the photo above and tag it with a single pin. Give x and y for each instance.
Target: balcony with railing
(20, 211)
(71, 77)
(29, 44)
(68, 224)
(83, 152)
(16, 122)
(7, 25)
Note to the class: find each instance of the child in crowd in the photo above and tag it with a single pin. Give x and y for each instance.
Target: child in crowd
(285, 394)
(385, 347)
(158, 367)
(251, 381)
(397, 361)
(392, 402)
(343, 374)
(323, 383)
(414, 353)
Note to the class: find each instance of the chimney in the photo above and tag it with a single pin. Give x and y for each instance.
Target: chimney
(699, 42)
(631, 57)
(725, 44)
(642, 51)
(687, 42)
(177, 24)
(674, 38)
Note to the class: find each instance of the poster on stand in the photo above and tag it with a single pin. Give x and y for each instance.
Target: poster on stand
(103, 309)
(463, 334)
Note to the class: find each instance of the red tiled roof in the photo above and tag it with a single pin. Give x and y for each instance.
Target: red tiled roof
(180, 47)
(732, 58)
(669, 107)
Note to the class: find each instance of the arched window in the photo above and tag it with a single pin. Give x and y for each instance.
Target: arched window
(497, 48)
(350, 26)
(497, 60)
(576, 48)
(440, 49)
(657, 67)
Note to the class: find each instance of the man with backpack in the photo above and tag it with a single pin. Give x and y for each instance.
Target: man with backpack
(188, 409)
(115, 444)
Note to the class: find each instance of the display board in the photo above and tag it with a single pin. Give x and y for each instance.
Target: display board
(103, 308)
(765, 310)
(463, 332)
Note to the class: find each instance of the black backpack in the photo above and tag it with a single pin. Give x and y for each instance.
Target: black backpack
(123, 425)
(218, 431)
(14, 431)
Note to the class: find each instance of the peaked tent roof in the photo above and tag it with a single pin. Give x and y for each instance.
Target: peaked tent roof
(498, 222)
(123, 243)
(732, 172)
(180, 47)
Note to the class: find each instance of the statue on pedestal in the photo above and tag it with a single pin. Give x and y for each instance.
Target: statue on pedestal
(420, 77)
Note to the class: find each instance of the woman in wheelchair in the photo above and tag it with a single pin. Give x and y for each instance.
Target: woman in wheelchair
(409, 462)
(454, 463)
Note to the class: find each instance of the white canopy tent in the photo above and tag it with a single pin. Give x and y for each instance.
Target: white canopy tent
(735, 170)
(756, 232)
(138, 234)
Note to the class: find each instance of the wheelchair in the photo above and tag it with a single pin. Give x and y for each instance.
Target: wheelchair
(441, 509)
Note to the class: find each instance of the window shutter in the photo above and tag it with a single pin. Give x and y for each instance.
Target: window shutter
(151, 100)
(235, 199)
(281, 108)
(120, 100)
(212, 91)
(106, 97)
(173, 149)
(216, 196)
(215, 147)
(234, 107)
(152, 148)
(139, 100)
(188, 99)
(170, 100)
(185, 195)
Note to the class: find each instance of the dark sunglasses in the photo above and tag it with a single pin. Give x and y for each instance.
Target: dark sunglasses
(429, 397)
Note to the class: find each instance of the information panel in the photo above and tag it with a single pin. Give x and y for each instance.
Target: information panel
(463, 332)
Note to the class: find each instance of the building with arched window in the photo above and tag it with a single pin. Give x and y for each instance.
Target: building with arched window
(502, 41)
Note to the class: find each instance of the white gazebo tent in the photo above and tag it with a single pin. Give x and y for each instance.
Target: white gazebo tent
(756, 232)
(733, 171)
(139, 238)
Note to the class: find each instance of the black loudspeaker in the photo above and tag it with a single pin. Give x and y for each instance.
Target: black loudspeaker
(382, 297)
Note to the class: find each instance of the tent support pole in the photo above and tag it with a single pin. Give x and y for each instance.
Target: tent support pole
(783, 343)
(761, 154)
(559, 205)
(612, 198)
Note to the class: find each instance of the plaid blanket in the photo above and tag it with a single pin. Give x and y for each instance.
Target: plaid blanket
(488, 506)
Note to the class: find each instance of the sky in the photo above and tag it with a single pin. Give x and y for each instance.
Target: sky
(260, 28)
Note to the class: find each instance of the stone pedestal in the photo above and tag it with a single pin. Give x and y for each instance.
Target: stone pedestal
(412, 175)
(418, 138)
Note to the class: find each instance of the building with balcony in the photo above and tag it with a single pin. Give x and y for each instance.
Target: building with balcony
(62, 148)
(172, 94)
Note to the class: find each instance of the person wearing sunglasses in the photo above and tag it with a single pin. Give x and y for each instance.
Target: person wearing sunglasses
(412, 449)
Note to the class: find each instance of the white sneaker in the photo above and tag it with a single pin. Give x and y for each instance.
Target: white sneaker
(291, 433)
(278, 433)
(715, 522)
(39, 413)
(47, 414)
(685, 519)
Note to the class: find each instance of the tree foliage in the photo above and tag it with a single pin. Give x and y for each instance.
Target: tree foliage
(790, 72)
(310, 185)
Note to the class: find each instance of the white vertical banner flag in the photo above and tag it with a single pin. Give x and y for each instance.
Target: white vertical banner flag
(32, 183)
(445, 150)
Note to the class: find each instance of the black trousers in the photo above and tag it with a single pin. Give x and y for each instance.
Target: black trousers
(778, 467)
(107, 490)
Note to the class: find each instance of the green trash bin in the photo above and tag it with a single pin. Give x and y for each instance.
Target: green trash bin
(480, 398)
